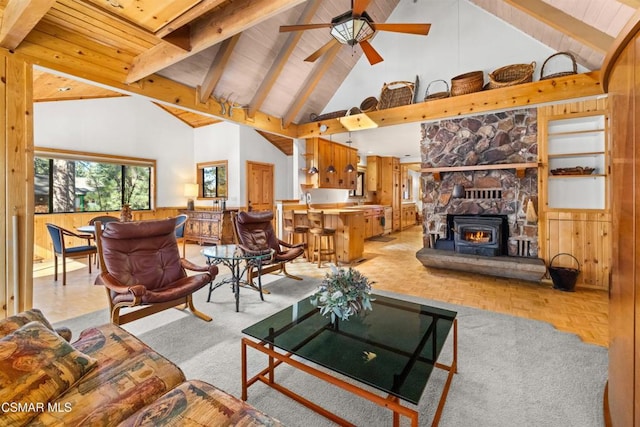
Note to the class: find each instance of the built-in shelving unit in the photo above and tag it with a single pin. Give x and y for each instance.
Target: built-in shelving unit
(577, 142)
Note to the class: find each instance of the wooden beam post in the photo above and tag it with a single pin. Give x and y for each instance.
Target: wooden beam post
(16, 188)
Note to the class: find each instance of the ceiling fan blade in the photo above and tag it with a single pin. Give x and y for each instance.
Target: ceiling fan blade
(359, 6)
(419, 29)
(318, 53)
(302, 27)
(372, 55)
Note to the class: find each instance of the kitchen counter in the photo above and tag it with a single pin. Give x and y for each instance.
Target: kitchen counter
(350, 228)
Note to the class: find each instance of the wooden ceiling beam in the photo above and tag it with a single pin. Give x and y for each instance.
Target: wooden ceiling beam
(524, 95)
(632, 3)
(230, 19)
(564, 23)
(19, 18)
(212, 77)
(281, 59)
(196, 11)
(309, 85)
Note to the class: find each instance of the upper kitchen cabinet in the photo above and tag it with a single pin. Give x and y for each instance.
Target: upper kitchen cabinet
(330, 161)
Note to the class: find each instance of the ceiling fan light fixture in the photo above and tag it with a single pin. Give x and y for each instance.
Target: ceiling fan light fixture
(331, 169)
(313, 170)
(350, 30)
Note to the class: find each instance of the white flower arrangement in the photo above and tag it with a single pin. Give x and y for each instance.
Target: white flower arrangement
(342, 293)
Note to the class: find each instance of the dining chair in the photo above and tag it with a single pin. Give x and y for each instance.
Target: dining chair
(60, 249)
(181, 222)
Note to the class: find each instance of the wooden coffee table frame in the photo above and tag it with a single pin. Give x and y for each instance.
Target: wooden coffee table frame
(267, 376)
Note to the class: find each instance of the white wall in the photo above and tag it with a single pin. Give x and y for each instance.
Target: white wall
(237, 144)
(220, 141)
(124, 126)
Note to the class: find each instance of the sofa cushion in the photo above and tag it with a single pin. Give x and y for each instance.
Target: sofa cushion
(128, 376)
(198, 403)
(36, 366)
(13, 323)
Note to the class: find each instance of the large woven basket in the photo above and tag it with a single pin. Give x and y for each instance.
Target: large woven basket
(511, 75)
(467, 83)
(574, 67)
(428, 96)
(395, 94)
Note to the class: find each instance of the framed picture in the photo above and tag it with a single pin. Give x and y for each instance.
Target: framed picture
(359, 191)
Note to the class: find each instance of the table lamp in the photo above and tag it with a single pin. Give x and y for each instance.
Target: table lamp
(190, 191)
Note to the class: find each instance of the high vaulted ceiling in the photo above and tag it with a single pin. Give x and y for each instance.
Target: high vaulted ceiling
(231, 56)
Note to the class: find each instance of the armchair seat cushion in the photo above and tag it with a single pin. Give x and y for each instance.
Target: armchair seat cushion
(178, 289)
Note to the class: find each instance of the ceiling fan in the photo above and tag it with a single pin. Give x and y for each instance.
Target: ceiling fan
(356, 27)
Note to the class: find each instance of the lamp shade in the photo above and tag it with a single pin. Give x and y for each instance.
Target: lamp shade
(191, 190)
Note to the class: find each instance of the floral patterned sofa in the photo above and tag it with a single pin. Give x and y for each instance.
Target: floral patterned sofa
(107, 377)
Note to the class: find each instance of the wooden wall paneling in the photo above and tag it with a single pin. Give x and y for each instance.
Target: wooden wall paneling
(623, 321)
(582, 233)
(42, 241)
(17, 163)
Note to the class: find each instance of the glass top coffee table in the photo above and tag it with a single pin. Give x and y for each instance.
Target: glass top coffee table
(393, 348)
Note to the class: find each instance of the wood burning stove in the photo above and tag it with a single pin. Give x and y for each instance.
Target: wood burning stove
(485, 235)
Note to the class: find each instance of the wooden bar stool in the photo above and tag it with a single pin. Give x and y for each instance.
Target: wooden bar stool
(321, 234)
(292, 228)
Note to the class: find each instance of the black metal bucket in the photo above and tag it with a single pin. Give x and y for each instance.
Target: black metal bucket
(564, 278)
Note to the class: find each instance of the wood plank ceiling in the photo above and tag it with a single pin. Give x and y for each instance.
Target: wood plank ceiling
(230, 55)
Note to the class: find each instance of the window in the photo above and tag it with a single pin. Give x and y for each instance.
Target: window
(212, 179)
(68, 181)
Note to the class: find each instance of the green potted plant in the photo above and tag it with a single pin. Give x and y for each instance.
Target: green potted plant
(342, 293)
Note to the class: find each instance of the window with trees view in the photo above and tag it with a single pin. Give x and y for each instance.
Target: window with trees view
(88, 184)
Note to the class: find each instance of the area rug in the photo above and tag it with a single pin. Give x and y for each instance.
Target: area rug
(511, 371)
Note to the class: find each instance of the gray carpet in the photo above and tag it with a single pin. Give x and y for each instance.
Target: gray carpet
(511, 371)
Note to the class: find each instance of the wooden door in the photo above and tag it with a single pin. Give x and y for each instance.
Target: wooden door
(260, 186)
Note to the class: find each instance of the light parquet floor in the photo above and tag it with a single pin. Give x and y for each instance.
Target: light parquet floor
(392, 266)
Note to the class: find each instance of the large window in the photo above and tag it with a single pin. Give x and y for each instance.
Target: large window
(68, 181)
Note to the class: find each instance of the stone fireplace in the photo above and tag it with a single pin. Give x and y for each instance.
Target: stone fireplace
(459, 149)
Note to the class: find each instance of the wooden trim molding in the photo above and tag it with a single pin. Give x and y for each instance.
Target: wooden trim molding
(519, 167)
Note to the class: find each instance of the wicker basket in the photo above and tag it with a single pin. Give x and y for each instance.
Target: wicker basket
(511, 75)
(436, 95)
(332, 115)
(369, 104)
(395, 94)
(574, 67)
(467, 83)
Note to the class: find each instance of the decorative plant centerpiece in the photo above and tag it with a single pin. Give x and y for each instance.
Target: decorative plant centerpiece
(342, 293)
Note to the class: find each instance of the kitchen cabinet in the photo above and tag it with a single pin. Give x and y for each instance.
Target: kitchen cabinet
(213, 227)
(408, 216)
(383, 175)
(322, 154)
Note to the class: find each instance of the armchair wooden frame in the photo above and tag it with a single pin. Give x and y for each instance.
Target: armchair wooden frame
(274, 266)
(143, 309)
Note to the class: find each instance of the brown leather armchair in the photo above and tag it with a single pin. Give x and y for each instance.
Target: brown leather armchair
(141, 266)
(254, 234)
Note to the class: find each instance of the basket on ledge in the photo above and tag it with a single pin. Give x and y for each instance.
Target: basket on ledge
(574, 67)
(511, 75)
(467, 83)
(564, 278)
(436, 95)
